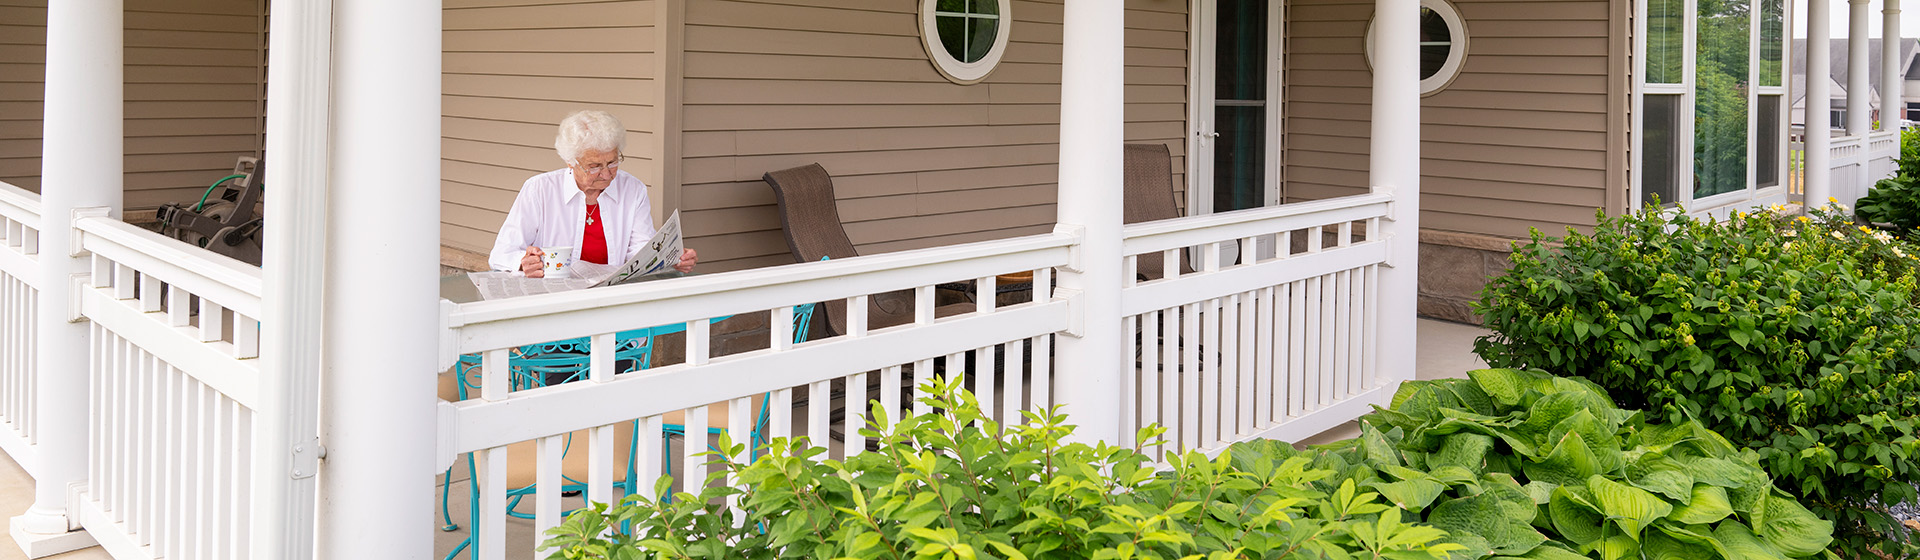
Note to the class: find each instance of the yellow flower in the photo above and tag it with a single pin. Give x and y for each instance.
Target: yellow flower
(1833, 200)
(1805, 220)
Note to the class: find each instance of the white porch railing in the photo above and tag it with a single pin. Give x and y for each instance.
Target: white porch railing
(1856, 163)
(19, 312)
(173, 394)
(1279, 345)
(1018, 336)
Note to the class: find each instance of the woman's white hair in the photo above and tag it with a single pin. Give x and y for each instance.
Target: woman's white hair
(589, 130)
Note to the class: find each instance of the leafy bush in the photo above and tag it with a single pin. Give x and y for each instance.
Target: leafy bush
(1522, 464)
(1793, 337)
(953, 485)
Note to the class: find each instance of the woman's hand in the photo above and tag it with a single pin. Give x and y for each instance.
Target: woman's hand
(531, 263)
(687, 260)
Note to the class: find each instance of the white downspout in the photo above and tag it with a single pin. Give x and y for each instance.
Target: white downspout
(382, 283)
(293, 267)
(1819, 105)
(81, 167)
(1092, 81)
(1394, 168)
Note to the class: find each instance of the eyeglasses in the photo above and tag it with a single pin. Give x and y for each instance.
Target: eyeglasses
(597, 168)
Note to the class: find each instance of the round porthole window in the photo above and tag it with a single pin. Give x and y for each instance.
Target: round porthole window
(965, 38)
(1443, 44)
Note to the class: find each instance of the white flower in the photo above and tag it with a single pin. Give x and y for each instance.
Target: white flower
(1838, 235)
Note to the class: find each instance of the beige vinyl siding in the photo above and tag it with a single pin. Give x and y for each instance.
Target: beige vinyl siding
(1519, 139)
(195, 90)
(196, 95)
(511, 72)
(23, 56)
(917, 160)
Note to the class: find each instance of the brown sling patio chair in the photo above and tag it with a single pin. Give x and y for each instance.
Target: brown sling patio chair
(811, 221)
(1148, 181)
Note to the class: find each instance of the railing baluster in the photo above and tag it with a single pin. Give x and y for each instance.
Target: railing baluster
(246, 337)
(692, 445)
(1130, 384)
(651, 454)
(549, 451)
(890, 392)
(1171, 395)
(983, 381)
(123, 281)
(1297, 348)
(491, 541)
(600, 460)
(1329, 333)
(780, 411)
(211, 319)
(1267, 340)
(1150, 375)
(150, 290)
(1190, 375)
(179, 307)
(856, 403)
(1371, 352)
(1212, 429)
(1016, 381)
(1342, 317)
(1244, 369)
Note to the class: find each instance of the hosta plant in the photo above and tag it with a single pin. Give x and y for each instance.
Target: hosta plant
(954, 484)
(1795, 337)
(1517, 464)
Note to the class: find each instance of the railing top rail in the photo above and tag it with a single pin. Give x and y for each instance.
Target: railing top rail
(1839, 141)
(570, 314)
(1169, 234)
(19, 204)
(232, 284)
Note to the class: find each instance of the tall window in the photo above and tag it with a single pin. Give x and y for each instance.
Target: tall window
(1710, 88)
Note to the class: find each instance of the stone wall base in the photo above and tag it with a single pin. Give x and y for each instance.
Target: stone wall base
(1453, 269)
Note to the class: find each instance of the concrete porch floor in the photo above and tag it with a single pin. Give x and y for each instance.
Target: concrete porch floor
(1445, 350)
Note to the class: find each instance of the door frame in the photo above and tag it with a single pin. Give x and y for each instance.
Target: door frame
(1200, 107)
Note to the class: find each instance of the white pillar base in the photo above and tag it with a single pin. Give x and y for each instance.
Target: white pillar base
(37, 544)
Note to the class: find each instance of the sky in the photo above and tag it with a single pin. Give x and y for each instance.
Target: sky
(1909, 18)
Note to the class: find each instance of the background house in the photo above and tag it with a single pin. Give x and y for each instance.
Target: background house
(1837, 104)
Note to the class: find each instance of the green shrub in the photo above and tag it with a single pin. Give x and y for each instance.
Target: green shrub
(946, 486)
(1896, 200)
(1521, 464)
(1793, 337)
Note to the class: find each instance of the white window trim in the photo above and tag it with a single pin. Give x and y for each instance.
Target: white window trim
(1723, 203)
(964, 72)
(1456, 57)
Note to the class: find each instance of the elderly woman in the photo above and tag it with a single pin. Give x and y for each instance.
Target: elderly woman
(590, 205)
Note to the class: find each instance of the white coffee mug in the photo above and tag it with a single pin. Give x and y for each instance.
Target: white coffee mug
(555, 260)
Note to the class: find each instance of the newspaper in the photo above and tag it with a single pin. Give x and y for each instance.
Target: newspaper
(656, 257)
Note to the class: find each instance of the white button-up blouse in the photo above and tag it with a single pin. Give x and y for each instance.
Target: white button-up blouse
(552, 212)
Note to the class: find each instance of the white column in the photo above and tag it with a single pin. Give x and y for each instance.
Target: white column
(80, 168)
(1091, 118)
(294, 262)
(382, 292)
(1819, 105)
(1394, 168)
(1893, 103)
(1859, 94)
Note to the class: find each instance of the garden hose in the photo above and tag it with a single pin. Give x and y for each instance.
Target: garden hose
(215, 185)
